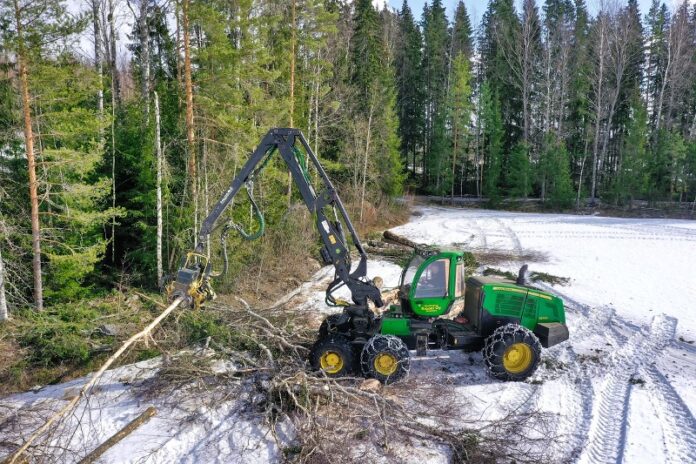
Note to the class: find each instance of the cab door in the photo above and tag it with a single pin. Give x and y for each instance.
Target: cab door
(432, 287)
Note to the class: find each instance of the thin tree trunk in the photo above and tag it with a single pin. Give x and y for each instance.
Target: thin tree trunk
(292, 81)
(4, 314)
(31, 162)
(98, 63)
(179, 71)
(598, 116)
(316, 117)
(582, 168)
(115, 85)
(189, 119)
(455, 138)
(158, 148)
(113, 170)
(206, 197)
(144, 58)
(367, 153)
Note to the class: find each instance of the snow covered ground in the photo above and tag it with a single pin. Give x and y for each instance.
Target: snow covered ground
(622, 389)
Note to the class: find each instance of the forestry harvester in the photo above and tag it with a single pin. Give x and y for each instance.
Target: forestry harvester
(510, 321)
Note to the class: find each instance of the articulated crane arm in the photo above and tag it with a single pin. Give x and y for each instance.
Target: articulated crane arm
(193, 277)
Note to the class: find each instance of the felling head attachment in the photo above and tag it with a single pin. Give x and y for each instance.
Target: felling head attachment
(192, 281)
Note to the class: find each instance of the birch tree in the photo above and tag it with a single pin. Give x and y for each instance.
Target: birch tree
(4, 314)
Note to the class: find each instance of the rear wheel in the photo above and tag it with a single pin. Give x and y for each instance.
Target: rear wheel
(385, 358)
(334, 356)
(512, 352)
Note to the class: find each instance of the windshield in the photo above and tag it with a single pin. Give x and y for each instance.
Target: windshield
(410, 271)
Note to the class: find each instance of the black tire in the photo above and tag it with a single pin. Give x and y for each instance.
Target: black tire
(512, 352)
(334, 356)
(385, 358)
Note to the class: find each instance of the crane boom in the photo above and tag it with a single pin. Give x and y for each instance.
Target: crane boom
(193, 277)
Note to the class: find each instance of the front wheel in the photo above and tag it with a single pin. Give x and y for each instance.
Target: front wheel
(334, 356)
(385, 358)
(512, 352)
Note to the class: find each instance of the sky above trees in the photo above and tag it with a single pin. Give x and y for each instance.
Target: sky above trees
(476, 8)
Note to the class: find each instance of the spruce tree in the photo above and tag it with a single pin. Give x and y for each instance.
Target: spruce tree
(500, 30)
(461, 33)
(409, 83)
(459, 119)
(520, 178)
(633, 177)
(493, 143)
(435, 69)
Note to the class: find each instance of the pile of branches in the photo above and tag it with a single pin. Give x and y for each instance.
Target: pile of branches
(352, 419)
(331, 419)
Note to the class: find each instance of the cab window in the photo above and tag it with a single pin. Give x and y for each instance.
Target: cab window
(433, 281)
(461, 281)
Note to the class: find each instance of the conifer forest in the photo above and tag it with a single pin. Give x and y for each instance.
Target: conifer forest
(123, 121)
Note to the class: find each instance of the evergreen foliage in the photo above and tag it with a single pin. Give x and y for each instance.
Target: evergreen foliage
(532, 105)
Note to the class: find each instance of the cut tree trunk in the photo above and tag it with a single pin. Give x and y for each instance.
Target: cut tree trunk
(118, 436)
(31, 162)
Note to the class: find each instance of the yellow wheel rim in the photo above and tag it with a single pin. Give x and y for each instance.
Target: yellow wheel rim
(386, 363)
(517, 358)
(331, 362)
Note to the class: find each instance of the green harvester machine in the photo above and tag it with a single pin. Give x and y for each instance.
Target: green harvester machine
(440, 308)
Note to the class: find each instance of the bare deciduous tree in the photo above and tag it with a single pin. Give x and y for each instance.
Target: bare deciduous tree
(158, 150)
(612, 54)
(4, 314)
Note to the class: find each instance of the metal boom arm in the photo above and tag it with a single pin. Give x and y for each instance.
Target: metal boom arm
(334, 251)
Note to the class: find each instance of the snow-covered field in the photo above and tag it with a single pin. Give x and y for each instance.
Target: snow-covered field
(622, 389)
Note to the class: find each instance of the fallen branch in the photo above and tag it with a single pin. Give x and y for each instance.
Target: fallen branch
(118, 436)
(68, 407)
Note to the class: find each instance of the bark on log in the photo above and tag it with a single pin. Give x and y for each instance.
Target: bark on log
(118, 436)
(392, 237)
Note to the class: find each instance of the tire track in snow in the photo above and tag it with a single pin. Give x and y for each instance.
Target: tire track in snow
(510, 235)
(574, 421)
(678, 424)
(608, 427)
(519, 397)
(480, 234)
